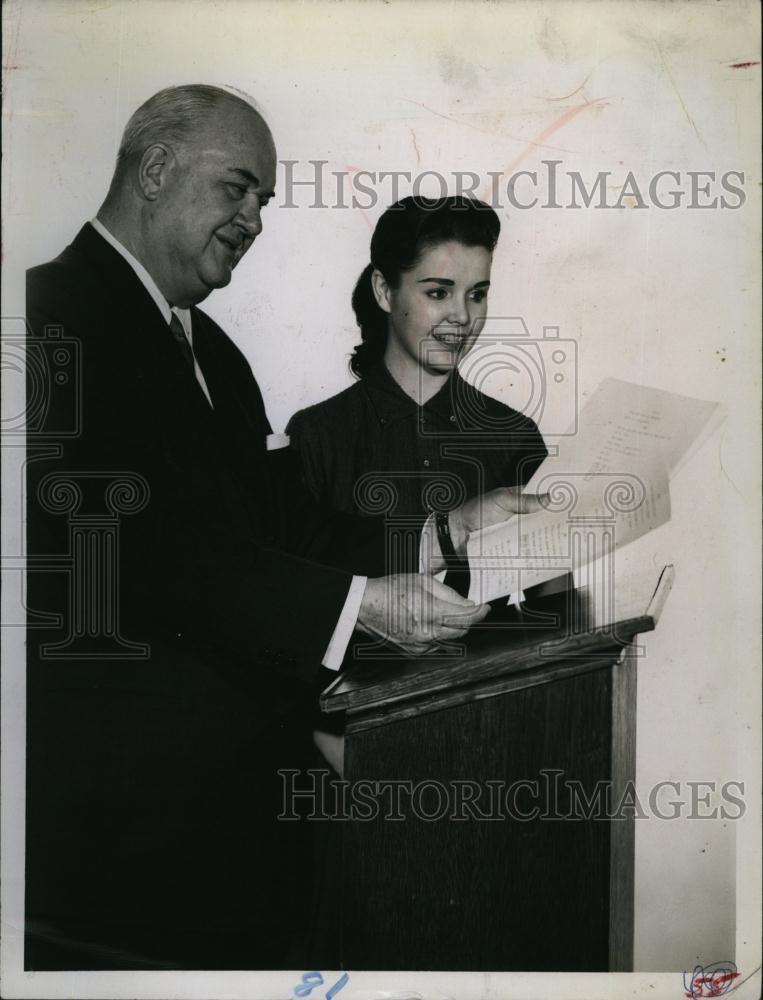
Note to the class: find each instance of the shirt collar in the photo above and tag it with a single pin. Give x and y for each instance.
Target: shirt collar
(184, 315)
(392, 403)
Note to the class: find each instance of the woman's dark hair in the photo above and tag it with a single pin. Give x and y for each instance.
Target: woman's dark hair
(405, 231)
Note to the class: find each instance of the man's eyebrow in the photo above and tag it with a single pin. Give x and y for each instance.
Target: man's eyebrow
(247, 175)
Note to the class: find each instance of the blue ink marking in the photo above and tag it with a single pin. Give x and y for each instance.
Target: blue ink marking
(309, 982)
(338, 985)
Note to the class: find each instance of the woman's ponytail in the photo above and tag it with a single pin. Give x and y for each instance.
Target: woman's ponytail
(372, 321)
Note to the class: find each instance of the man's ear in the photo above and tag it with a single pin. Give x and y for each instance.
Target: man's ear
(381, 290)
(153, 170)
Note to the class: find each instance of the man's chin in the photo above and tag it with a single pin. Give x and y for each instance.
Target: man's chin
(208, 283)
(219, 278)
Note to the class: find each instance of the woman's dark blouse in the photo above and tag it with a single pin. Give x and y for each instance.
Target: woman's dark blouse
(372, 450)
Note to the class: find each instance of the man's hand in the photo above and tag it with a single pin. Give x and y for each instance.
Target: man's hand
(487, 509)
(416, 612)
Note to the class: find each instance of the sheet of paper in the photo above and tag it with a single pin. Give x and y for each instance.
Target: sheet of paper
(628, 428)
(529, 549)
(607, 485)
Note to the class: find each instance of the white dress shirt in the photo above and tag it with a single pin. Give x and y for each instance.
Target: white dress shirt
(348, 617)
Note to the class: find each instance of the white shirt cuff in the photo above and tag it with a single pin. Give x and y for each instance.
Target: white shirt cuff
(348, 619)
(430, 554)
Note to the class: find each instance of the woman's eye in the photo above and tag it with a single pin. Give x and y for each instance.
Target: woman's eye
(437, 293)
(479, 296)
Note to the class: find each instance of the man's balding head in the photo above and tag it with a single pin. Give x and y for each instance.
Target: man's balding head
(176, 115)
(195, 167)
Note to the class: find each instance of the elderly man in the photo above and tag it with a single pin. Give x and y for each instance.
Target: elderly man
(152, 833)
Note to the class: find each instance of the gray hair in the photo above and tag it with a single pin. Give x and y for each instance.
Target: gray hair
(173, 115)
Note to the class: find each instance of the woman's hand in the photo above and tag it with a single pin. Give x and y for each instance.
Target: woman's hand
(490, 508)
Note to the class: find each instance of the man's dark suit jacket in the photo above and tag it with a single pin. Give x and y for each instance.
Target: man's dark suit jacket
(152, 838)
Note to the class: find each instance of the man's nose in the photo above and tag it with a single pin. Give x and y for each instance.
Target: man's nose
(249, 218)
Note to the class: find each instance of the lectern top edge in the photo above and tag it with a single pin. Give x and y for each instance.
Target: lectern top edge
(394, 681)
(501, 653)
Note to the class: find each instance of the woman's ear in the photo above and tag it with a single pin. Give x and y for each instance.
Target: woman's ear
(381, 290)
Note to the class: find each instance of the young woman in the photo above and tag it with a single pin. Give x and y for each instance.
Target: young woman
(411, 436)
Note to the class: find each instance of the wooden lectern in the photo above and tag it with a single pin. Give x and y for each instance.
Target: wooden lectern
(510, 757)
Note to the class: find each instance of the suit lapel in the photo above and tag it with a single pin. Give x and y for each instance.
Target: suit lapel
(131, 315)
(241, 430)
(191, 431)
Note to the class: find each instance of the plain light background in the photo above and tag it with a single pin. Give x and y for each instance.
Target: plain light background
(667, 298)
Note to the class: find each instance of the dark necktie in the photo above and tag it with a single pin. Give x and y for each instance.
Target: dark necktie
(177, 331)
